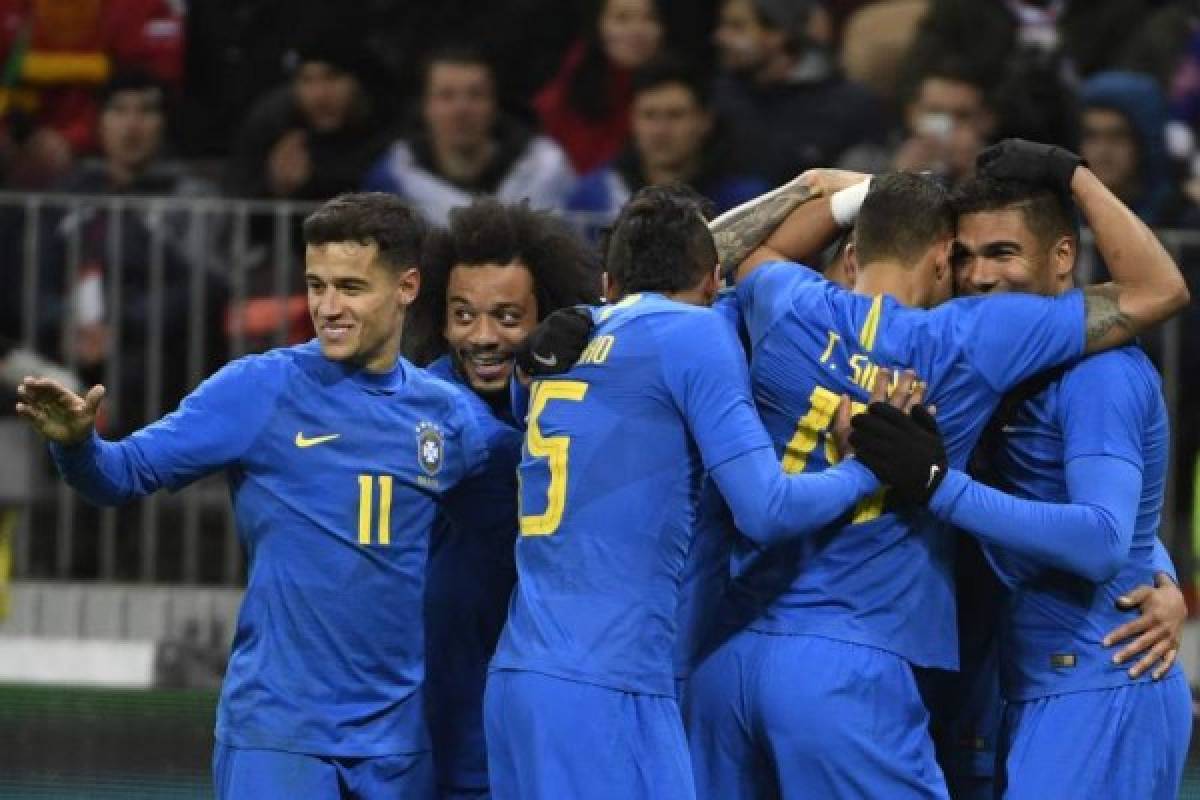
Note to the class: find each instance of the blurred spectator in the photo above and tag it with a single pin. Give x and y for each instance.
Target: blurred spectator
(56, 53)
(876, 40)
(675, 139)
(585, 107)
(317, 136)
(76, 243)
(1169, 37)
(947, 121)
(786, 106)
(466, 146)
(1088, 34)
(1122, 124)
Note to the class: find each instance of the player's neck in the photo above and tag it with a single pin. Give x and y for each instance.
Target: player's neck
(696, 296)
(885, 277)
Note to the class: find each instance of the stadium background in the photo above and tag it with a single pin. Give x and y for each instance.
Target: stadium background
(143, 257)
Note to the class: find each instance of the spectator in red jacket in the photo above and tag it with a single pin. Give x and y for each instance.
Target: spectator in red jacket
(55, 55)
(586, 106)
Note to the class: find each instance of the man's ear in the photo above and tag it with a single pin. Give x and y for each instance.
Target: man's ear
(408, 286)
(850, 264)
(609, 287)
(1062, 257)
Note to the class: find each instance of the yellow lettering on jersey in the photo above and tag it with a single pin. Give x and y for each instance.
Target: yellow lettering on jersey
(385, 509)
(366, 502)
(554, 449)
(364, 509)
(624, 302)
(871, 324)
(811, 426)
(597, 351)
(809, 430)
(858, 365)
(833, 340)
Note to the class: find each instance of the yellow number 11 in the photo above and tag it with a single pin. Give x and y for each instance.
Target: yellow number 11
(809, 430)
(365, 501)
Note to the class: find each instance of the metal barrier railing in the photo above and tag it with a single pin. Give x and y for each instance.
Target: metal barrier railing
(149, 295)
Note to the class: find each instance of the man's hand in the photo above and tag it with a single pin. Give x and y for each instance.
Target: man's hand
(1156, 631)
(907, 394)
(1030, 162)
(905, 451)
(556, 343)
(56, 412)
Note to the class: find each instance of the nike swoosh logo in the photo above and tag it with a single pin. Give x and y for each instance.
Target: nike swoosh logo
(303, 442)
(546, 361)
(933, 473)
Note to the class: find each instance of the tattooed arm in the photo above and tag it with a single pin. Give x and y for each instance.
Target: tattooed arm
(782, 224)
(1146, 286)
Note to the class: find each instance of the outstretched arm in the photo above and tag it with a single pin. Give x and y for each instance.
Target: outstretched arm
(794, 222)
(212, 428)
(1147, 286)
(1089, 537)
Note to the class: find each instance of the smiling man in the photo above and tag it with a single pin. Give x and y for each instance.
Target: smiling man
(489, 278)
(336, 452)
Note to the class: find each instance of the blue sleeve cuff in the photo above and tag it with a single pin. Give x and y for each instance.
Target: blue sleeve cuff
(943, 500)
(69, 457)
(864, 480)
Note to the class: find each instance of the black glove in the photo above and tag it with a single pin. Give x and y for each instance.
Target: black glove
(556, 343)
(1044, 165)
(905, 451)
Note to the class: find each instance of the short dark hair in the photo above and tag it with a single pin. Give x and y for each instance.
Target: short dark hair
(564, 267)
(901, 217)
(948, 67)
(660, 241)
(669, 69)
(789, 16)
(454, 53)
(1047, 214)
(367, 218)
(132, 81)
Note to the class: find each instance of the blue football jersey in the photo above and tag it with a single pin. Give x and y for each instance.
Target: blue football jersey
(884, 578)
(614, 461)
(470, 579)
(335, 475)
(1053, 623)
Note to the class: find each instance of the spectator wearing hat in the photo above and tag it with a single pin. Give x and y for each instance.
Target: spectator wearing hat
(464, 146)
(787, 107)
(316, 136)
(1122, 135)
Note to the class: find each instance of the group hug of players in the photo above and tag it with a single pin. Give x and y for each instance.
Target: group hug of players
(795, 539)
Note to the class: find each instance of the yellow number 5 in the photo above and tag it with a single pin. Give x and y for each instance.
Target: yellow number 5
(555, 450)
(809, 430)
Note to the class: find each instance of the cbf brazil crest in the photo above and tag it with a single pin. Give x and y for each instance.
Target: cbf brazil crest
(431, 446)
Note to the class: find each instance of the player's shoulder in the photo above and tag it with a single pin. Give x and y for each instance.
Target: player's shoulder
(1122, 370)
(655, 323)
(279, 363)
